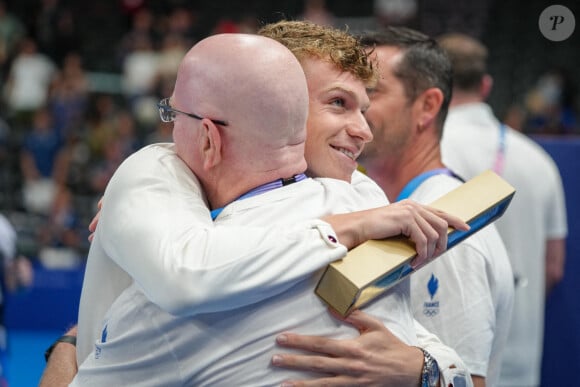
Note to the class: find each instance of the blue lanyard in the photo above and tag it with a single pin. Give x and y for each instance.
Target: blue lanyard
(215, 213)
(499, 162)
(419, 179)
(261, 189)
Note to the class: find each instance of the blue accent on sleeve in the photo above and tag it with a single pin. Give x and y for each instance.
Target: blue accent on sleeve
(104, 334)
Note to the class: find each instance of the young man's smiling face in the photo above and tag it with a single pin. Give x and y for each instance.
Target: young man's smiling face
(337, 129)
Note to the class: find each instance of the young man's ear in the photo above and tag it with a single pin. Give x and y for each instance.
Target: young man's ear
(429, 104)
(211, 144)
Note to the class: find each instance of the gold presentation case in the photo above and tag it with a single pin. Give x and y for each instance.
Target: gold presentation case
(371, 268)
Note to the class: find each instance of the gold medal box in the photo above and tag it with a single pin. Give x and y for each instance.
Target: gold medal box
(373, 267)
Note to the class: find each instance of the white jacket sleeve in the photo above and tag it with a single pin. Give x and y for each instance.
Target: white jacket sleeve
(156, 226)
(452, 369)
(374, 195)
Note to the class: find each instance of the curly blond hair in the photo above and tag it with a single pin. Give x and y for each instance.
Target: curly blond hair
(308, 40)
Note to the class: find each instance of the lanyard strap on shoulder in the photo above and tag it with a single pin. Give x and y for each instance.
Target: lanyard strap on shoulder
(419, 179)
(499, 162)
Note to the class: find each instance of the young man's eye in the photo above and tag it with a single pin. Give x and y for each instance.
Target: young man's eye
(338, 102)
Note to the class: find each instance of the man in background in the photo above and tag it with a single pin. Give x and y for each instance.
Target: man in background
(465, 297)
(534, 227)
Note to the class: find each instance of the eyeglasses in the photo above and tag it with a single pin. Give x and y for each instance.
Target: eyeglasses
(167, 113)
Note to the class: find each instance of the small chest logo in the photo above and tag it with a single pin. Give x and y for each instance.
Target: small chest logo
(103, 340)
(431, 307)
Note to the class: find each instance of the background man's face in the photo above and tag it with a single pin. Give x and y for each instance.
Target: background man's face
(390, 115)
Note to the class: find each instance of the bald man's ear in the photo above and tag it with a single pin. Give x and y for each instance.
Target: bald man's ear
(211, 144)
(429, 103)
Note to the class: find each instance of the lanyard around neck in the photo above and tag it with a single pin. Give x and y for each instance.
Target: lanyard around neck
(499, 162)
(261, 189)
(411, 186)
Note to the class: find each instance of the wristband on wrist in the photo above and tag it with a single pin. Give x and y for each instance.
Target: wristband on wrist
(63, 339)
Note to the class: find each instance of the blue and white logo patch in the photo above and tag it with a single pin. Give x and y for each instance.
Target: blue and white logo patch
(103, 340)
(431, 307)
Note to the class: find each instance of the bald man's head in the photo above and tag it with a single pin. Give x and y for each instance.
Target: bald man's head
(256, 86)
(252, 82)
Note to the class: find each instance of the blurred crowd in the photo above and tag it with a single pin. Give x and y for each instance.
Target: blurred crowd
(69, 115)
(65, 127)
(62, 133)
